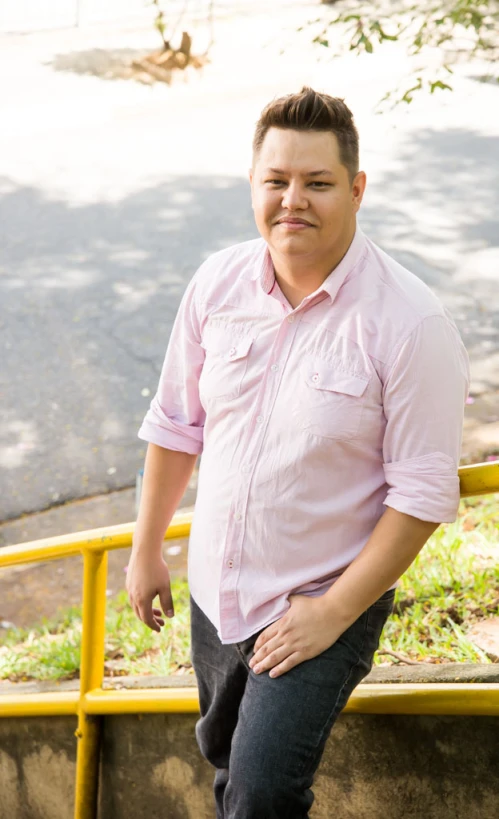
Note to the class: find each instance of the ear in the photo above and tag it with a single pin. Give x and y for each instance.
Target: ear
(358, 189)
(250, 175)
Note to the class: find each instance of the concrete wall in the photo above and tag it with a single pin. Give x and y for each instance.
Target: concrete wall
(374, 766)
(37, 767)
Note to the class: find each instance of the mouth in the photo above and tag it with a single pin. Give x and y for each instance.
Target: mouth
(294, 223)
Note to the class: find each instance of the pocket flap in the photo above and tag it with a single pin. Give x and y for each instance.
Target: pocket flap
(322, 376)
(228, 347)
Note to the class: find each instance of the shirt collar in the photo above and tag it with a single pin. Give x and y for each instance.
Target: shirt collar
(265, 268)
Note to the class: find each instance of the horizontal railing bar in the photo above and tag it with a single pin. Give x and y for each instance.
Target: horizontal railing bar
(460, 699)
(49, 704)
(465, 699)
(479, 479)
(142, 700)
(96, 540)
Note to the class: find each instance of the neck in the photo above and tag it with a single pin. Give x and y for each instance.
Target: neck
(299, 276)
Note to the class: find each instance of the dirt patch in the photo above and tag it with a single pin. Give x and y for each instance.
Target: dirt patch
(130, 64)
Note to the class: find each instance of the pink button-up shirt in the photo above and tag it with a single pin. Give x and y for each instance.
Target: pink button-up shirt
(309, 421)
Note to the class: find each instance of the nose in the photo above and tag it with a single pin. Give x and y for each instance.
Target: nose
(294, 198)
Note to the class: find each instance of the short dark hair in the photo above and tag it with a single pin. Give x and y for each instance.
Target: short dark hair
(309, 110)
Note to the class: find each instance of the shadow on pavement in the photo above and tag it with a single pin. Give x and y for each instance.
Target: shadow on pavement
(89, 294)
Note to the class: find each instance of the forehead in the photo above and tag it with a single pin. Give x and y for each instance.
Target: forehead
(285, 148)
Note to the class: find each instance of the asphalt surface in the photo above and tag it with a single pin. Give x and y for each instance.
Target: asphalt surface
(113, 192)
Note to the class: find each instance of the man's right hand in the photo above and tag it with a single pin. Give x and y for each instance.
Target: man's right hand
(147, 577)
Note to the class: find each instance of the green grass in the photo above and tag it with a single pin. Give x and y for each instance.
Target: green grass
(51, 650)
(453, 583)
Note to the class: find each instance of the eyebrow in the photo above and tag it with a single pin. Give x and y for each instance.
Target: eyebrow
(323, 172)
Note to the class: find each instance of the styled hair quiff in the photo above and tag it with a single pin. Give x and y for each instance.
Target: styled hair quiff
(309, 110)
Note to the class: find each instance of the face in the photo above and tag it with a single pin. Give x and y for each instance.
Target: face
(303, 201)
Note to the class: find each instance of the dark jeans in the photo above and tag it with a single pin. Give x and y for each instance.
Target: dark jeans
(265, 736)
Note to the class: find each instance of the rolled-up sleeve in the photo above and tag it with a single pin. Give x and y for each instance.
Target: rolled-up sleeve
(425, 393)
(175, 419)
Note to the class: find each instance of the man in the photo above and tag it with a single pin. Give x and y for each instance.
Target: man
(325, 386)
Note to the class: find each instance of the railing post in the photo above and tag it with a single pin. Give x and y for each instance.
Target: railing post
(91, 676)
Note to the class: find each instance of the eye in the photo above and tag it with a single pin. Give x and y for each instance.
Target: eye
(313, 184)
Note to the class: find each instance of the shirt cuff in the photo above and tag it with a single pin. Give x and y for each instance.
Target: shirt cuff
(426, 487)
(158, 429)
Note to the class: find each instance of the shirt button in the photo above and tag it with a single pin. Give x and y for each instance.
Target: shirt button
(259, 419)
(232, 351)
(291, 319)
(274, 367)
(230, 563)
(315, 377)
(238, 516)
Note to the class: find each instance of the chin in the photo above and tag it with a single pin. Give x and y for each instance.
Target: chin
(292, 238)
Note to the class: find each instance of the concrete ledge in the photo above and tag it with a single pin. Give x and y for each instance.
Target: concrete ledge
(423, 673)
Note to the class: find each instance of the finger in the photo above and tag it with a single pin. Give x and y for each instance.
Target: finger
(165, 598)
(286, 665)
(157, 612)
(265, 636)
(146, 615)
(260, 640)
(271, 660)
(266, 649)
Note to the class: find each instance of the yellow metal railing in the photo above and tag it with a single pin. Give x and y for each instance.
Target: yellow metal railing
(92, 702)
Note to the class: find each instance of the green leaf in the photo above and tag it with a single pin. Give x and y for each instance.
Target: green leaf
(385, 36)
(439, 84)
(407, 97)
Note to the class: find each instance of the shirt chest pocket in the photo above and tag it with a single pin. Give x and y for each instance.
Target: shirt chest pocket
(332, 400)
(225, 365)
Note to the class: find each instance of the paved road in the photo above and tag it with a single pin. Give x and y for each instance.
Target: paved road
(112, 193)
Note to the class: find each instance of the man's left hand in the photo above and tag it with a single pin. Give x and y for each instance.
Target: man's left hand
(305, 631)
